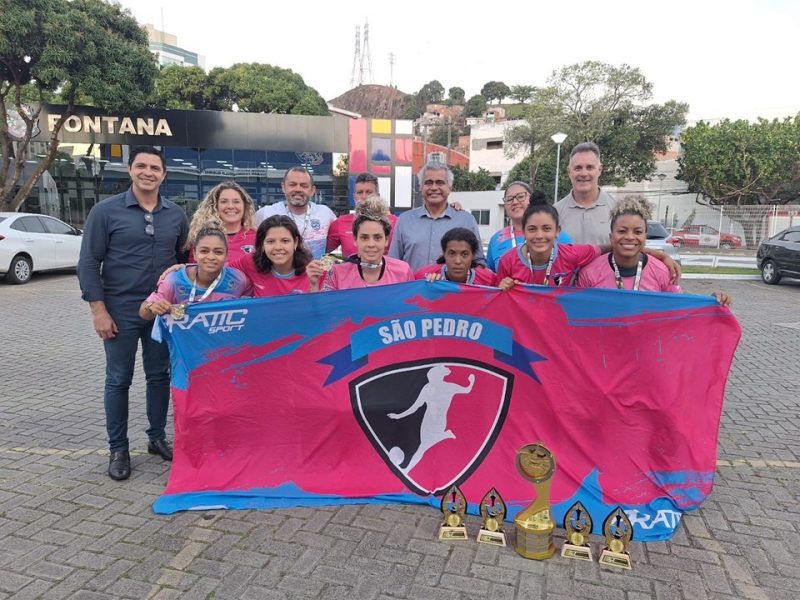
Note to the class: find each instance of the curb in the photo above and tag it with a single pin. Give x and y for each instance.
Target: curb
(720, 276)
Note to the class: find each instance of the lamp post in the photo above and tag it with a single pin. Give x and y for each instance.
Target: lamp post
(661, 177)
(558, 139)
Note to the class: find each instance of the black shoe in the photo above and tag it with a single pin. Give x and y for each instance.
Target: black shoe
(119, 465)
(160, 447)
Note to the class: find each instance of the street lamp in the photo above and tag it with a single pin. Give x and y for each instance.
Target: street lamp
(558, 139)
(661, 177)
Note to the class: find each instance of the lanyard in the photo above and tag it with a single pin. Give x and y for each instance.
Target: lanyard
(207, 292)
(619, 277)
(549, 265)
(306, 218)
(513, 235)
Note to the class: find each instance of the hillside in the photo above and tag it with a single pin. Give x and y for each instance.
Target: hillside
(373, 101)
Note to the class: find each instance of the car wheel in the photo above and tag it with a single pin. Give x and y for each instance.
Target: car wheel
(20, 270)
(769, 272)
(725, 245)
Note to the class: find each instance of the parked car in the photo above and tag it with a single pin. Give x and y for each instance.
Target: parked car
(657, 238)
(31, 243)
(779, 256)
(703, 236)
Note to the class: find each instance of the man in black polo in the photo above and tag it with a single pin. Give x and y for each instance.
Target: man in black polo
(129, 240)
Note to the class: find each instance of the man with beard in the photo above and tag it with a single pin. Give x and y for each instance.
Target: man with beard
(313, 220)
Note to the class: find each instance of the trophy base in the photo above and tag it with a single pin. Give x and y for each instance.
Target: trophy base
(616, 560)
(577, 552)
(453, 533)
(536, 545)
(493, 538)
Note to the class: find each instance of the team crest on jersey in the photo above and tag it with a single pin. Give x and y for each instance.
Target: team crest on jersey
(248, 249)
(432, 421)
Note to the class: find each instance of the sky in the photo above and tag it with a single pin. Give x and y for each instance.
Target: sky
(734, 59)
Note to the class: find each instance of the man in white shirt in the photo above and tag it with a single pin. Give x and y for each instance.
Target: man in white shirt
(313, 220)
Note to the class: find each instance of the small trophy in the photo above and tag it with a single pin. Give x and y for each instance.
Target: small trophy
(534, 525)
(578, 524)
(619, 532)
(493, 511)
(177, 311)
(454, 507)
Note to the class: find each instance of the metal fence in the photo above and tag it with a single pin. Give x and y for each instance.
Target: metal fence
(731, 227)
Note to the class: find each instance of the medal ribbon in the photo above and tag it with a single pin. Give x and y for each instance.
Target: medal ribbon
(207, 292)
(549, 265)
(619, 277)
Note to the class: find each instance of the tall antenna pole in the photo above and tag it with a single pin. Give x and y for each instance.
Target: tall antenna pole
(357, 60)
(391, 69)
(365, 53)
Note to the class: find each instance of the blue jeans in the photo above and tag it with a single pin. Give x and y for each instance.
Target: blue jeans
(120, 361)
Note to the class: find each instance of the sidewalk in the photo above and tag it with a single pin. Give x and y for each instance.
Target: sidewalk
(68, 531)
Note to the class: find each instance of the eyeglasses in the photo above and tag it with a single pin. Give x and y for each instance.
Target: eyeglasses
(516, 198)
(430, 182)
(149, 229)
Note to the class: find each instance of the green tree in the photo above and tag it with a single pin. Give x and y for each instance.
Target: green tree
(256, 87)
(602, 103)
(475, 106)
(412, 109)
(456, 95)
(737, 164)
(178, 87)
(80, 49)
(495, 90)
(431, 92)
(522, 93)
(472, 181)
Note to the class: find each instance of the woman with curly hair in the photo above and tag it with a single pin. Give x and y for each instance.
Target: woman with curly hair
(228, 204)
(369, 267)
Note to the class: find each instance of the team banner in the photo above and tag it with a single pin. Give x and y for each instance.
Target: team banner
(394, 393)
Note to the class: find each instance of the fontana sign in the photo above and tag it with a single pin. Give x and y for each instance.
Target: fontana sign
(111, 125)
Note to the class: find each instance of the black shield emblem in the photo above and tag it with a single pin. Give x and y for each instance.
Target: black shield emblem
(432, 421)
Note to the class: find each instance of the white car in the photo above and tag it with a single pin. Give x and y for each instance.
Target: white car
(657, 237)
(30, 243)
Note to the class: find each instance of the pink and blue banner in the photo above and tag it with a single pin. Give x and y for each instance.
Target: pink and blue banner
(394, 393)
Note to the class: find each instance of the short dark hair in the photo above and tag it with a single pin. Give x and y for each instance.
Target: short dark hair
(459, 234)
(368, 178)
(298, 169)
(301, 255)
(137, 150)
(538, 196)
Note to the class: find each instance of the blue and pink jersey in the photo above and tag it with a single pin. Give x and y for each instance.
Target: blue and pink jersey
(176, 288)
(569, 258)
(477, 275)
(502, 241)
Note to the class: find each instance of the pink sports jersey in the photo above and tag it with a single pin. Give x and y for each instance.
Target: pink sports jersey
(477, 275)
(271, 284)
(345, 276)
(176, 287)
(600, 274)
(241, 243)
(341, 233)
(569, 258)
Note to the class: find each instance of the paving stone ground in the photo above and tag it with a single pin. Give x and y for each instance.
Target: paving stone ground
(68, 531)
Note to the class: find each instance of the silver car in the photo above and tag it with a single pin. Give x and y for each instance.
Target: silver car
(657, 239)
(31, 243)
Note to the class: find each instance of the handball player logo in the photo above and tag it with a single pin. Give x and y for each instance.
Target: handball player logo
(432, 421)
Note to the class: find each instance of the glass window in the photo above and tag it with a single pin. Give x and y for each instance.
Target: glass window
(56, 226)
(481, 216)
(792, 236)
(32, 224)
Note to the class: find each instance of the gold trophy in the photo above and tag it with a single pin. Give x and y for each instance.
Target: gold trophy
(619, 532)
(578, 524)
(493, 511)
(534, 524)
(454, 507)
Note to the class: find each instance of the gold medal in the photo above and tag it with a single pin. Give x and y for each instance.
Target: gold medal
(616, 546)
(327, 262)
(454, 520)
(177, 311)
(577, 539)
(492, 524)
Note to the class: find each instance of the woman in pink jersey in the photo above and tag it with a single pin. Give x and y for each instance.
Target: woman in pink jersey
(369, 267)
(457, 262)
(543, 261)
(229, 204)
(627, 266)
(281, 263)
(207, 281)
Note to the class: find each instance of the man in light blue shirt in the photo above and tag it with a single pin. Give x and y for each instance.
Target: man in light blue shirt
(417, 236)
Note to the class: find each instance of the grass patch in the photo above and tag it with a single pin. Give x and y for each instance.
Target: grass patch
(720, 270)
